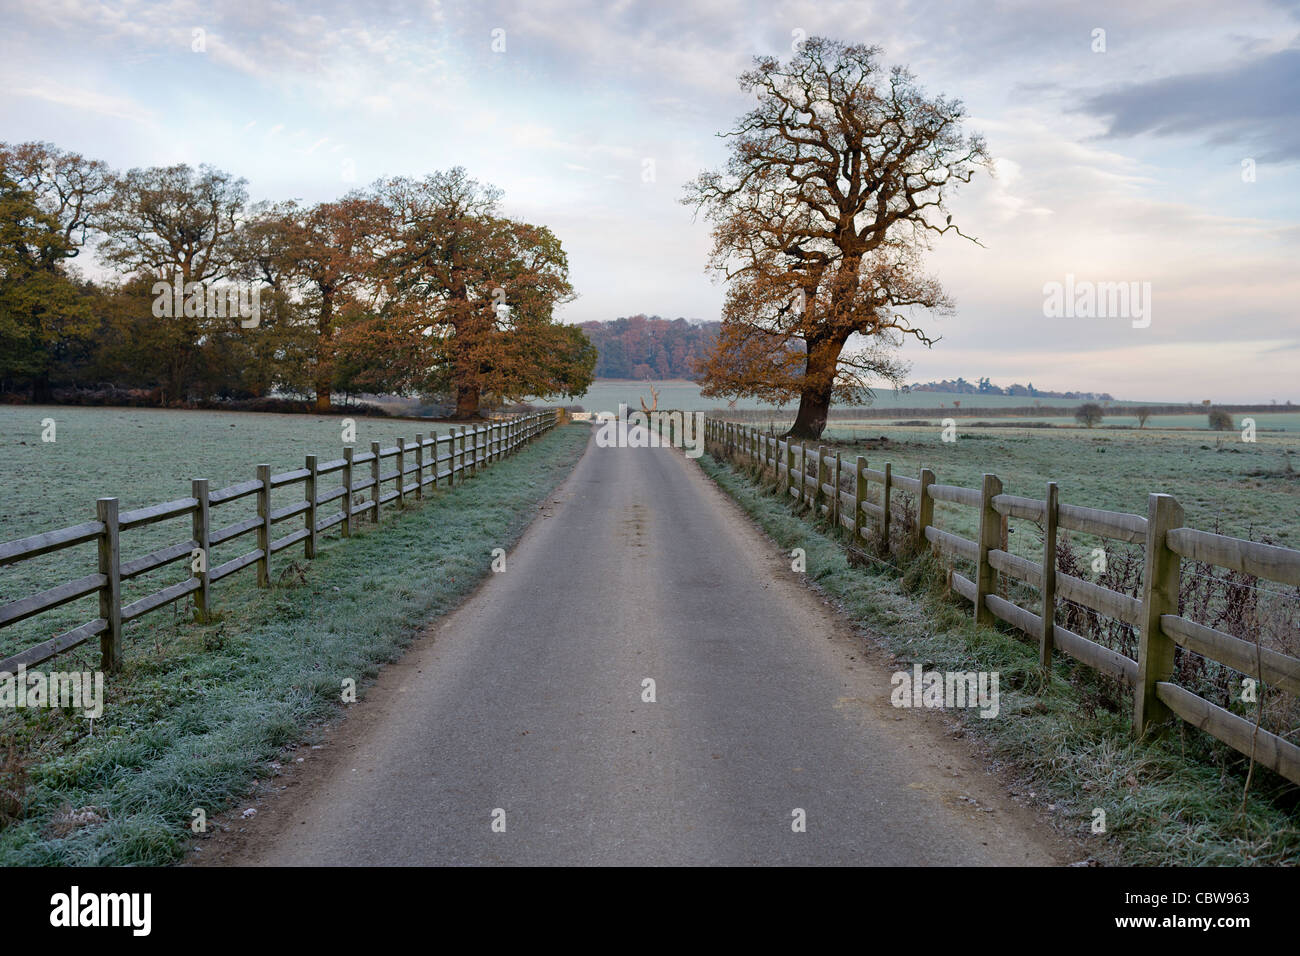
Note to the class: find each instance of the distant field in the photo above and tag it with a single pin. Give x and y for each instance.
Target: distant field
(1198, 422)
(606, 394)
(1245, 489)
(142, 457)
(1242, 489)
(147, 456)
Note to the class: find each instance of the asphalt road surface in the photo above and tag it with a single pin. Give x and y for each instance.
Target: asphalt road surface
(516, 731)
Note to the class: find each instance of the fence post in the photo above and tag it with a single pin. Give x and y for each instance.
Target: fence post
(803, 472)
(419, 466)
(989, 539)
(859, 496)
(110, 595)
(924, 507)
(884, 506)
(264, 529)
(835, 504)
(347, 492)
(1048, 590)
(309, 543)
(1004, 542)
(201, 529)
(374, 477)
(1160, 579)
(789, 466)
(401, 472)
(819, 496)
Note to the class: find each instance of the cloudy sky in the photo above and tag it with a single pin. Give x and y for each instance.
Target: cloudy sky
(1172, 157)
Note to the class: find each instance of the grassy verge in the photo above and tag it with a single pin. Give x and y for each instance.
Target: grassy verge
(199, 710)
(1174, 800)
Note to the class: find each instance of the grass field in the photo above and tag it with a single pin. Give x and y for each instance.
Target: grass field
(142, 457)
(1240, 488)
(200, 712)
(606, 394)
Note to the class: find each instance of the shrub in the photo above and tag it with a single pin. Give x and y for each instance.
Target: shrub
(1220, 420)
(1088, 414)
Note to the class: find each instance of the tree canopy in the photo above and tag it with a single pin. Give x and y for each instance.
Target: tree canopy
(412, 285)
(835, 184)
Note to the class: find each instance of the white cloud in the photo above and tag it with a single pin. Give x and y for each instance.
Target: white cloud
(90, 101)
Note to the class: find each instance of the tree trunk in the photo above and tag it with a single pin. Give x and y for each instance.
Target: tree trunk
(467, 397)
(815, 397)
(814, 405)
(324, 343)
(41, 391)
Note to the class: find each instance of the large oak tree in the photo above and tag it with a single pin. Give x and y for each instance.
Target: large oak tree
(169, 222)
(468, 303)
(63, 188)
(41, 308)
(835, 183)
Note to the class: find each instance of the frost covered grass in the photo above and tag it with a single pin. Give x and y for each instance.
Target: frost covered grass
(145, 456)
(1174, 800)
(199, 711)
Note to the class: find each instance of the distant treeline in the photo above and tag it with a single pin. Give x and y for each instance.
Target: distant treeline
(959, 386)
(409, 287)
(1018, 411)
(649, 347)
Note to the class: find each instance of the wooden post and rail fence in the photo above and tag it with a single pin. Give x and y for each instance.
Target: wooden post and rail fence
(415, 467)
(1155, 615)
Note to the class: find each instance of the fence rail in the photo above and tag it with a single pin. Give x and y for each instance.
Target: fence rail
(803, 474)
(414, 467)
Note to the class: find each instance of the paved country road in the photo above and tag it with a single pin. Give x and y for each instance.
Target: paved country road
(529, 699)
